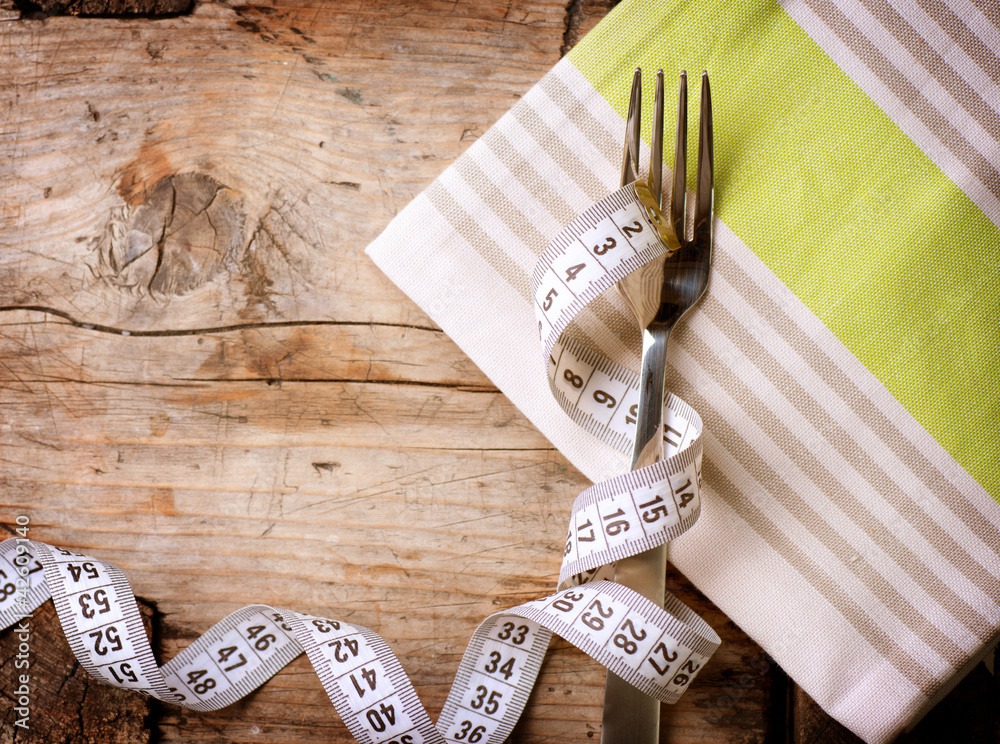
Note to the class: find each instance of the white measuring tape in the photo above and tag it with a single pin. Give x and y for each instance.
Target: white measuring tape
(659, 650)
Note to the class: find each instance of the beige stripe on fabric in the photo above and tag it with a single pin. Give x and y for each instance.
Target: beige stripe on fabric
(876, 420)
(515, 220)
(469, 229)
(863, 48)
(505, 209)
(810, 519)
(576, 111)
(579, 172)
(623, 326)
(543, 191)
(811, 572)
(466, 227)
(827, 483)
(963, 36)
(938, 67)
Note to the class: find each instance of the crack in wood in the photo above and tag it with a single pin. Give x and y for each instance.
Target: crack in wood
(206, 329)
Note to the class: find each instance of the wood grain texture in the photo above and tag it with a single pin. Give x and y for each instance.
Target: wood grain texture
(65, 704)
(104, 8)
(204, 380)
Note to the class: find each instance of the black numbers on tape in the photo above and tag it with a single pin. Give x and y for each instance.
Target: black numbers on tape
(572, 271)
(606, 398)
(668, 658)
(507, 632)
(265, 641)
(626, 644)
(632, 230)
(596, 621)
(199, 682)
(608, 244)
(653, 510)
(122, 672)
(565, 602)
(497, 664)
(341, 646)
(573, 379)
(225, 653)
(547, 305)
(94, 603)
(326, 626)
(474, 734)
(106, 640)
(688, 668)
(588, 525)
(7, 589)
(277, 617)
(378, 719)
(632, 413)
(617, 526)
(369, 677)
(684, 495)
(88, 570)
(487, 700)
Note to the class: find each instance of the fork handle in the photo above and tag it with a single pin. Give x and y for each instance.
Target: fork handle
(631, 716)
(648, 445)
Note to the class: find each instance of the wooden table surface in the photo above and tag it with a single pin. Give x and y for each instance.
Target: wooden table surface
(204, 379)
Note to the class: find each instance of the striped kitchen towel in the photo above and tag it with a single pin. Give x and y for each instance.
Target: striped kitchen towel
(845, 357)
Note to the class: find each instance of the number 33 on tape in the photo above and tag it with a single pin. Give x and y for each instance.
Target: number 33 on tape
(657, 649)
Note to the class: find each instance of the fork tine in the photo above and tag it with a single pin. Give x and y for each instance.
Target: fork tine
(705, 184)
(656, 146)
(678, 196)
(636, 130)
(630, 158)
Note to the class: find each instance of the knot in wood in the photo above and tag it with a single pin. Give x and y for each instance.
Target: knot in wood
(187, 227)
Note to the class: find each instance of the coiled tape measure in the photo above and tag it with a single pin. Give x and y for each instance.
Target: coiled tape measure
(659, 650)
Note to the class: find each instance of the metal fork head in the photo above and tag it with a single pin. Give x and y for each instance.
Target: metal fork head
(683, 273)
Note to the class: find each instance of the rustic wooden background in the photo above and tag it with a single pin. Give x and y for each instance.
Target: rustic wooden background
(204, 380)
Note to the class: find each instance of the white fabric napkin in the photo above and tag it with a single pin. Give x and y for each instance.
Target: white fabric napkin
(847, 521)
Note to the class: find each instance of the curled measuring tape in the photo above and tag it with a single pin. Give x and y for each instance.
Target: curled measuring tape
(644, 508)
(659, 650)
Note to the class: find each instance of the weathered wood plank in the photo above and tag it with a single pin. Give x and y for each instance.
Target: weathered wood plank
(416, 509)
(107, 8)
(311, 126)
(63, 702)
(45, 348)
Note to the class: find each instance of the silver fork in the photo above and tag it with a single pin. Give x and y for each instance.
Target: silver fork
(659, 294)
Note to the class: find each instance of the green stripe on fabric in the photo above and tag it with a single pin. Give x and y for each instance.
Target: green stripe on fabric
(836, 200)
